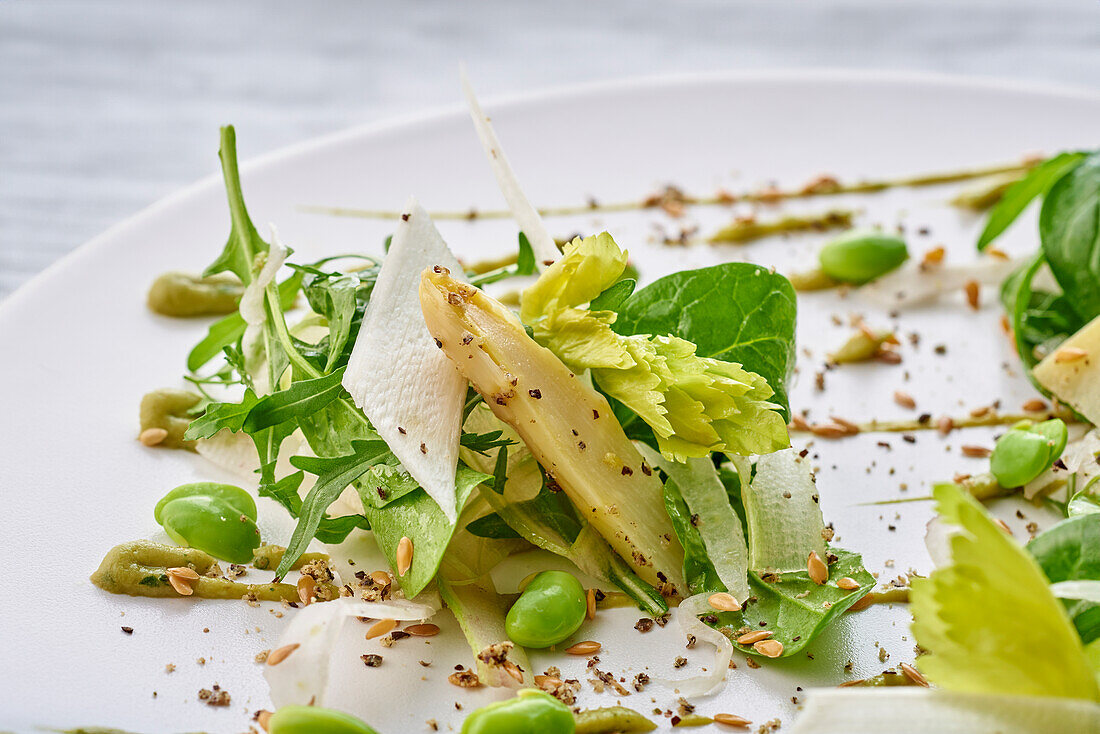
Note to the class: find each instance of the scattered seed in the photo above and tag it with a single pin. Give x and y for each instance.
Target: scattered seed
(847, 425)
(513, 670)
(724, 602)
(914, 675)
(751, 638)
(862, 603)
(973, 294)
(934, 256)
(769, 648)
(590, 603)
(182, 584)
(819, 572)
(380, 628)
(263, 718)
(152, 436)
(380, 577)
(1035, 405)
(828, 430)
(184, 572)
(848, 583)
(372, 661)
(1003, 525)
(945, 425)
(905, 400)
(547, 681)
(1069, 354)
(888, 356)
(306, 587)
(976, 452)
(404, 555)
(732, 720)
(588, 647)
(799, 423)
(280, 654)
(427, 629)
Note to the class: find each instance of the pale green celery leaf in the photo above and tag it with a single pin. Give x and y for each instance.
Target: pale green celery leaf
(782, 512)
(694, 404)
(901, 710)
(471, 557)
(480, 612)
(713, 516)
(988, 621)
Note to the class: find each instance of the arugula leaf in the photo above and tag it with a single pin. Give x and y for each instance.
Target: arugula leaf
(244, 241)
(1069, 228)
(988, 621)
(492, 526)
(222, 415)
(301, 398)
(228, 331)
(1070, 551)
(333, 477)
(330, 529)
(483, 443)
(525, 261)
(734, 312)
(1035, 184)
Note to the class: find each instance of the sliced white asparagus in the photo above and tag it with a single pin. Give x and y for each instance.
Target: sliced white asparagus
(782, 512)
(934, 711)
(526, 216)
(719, 526)
(405, 385)
(912, 285)
(567, 425)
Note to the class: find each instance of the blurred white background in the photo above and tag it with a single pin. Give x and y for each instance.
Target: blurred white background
(108, 105)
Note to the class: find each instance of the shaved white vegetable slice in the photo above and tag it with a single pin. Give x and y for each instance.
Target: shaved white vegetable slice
(719, 526)
(782, 512)
(403, 382)
(302, 677)
(910, 285)
(254, 314)
(480, 614)
(688, 619)
(937, 539)
(526, 216)
(1083, 590)
(928, 711)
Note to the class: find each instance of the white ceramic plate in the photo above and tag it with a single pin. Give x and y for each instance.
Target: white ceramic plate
(80, 349)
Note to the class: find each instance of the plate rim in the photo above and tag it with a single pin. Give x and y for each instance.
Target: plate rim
(543, 95)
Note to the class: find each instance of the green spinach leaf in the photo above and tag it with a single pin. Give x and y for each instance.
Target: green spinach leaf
(492, 526)
(735, 312)
(1016, 198)
(1040, 319)
(1069, 228)
(525, 261)
(1070, 551)
(614, 296)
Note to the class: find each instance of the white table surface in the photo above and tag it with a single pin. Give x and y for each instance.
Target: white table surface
(108, 105)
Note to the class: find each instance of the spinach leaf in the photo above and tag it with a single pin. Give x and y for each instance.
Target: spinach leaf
(1069, 228)
(1084, 501)
(330, 529)
(333, 477)
(1070, 551)
(525, 261)
(492, 526)
(735, 312)
(301, 398)
(1016, 198)
(228, 331)
(614, 296)
(699, 572)
(1040, 320)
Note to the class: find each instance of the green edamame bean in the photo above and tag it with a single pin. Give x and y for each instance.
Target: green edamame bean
(551, 608)
(530, 712)
(217, 518)
(315, 720)
(1025, 452)
(862, 255)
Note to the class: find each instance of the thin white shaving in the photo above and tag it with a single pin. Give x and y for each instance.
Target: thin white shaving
(912, 285)
(526, 216)
(254, 314)
(933, 711)
(1081, 590)
(709, 682)
(302, 678)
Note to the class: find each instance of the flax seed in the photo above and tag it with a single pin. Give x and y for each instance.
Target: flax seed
(863, 603)
(973, 294)
(975, 452)
(848, 584)
(888, 356)
(427, 629)
(590, 604)
(851, 428)
(382, 627)
(306, 587)
(751, 638)
(828, 430)
(1003, 525)
(588, 647)
(404, 555)
(184, 572)
(1069, 354)
(180, 578)
(799, 423)
(513, 670)
(819, 572)
(152, 436)
(280, 654)
(904, 399)
(769, 648)
(380, 577)
(1035, 405)
(739, 722)
(724, 602)
(914, 675)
